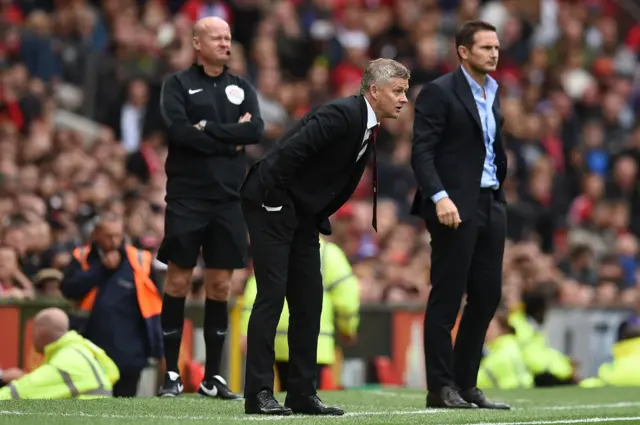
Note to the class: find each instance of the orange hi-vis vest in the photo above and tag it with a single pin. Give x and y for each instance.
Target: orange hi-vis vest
(149, 298)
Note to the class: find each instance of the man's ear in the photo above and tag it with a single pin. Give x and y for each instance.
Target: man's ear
(195, 41)
(463, 51)
(374, 91)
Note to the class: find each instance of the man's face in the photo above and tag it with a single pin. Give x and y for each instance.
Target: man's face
(15, 238)
(109, 235)
(38, 339)
(483, 55)
(8, 263)
(391, 97)
(51, 288)
(213, 43)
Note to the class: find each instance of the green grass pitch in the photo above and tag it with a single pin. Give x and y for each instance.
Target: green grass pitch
(363, 407)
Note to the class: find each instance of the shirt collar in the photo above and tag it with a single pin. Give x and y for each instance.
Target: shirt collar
(489, 85)
(372, 120)
(200, 68)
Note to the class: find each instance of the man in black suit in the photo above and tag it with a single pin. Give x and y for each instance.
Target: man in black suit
(288, 197)
(460, 164)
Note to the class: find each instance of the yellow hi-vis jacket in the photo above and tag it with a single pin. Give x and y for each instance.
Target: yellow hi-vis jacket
(623, 371)
(340, 305)
(504, 366)
(538, 355)
(73, 367)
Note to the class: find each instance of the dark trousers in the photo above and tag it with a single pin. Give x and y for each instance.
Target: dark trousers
(469, 259)
(283, 374)
(127, 386)
(286, 261)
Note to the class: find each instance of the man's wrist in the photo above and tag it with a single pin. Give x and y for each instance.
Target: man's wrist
(439, 196)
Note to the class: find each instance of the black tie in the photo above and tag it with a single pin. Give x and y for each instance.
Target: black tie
(374, 179)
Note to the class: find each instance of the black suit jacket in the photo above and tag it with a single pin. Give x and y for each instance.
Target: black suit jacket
(314, 164)
(448, 146)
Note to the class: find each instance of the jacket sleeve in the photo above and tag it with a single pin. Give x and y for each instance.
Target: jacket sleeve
(77, 283)
(343, 288)
(108, 366)
(246, 133)
(43, 382)
(249, 297)
(328, 125)
(428, 128)
(181, 131)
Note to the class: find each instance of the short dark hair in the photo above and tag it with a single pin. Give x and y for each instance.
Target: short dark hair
(466, 34)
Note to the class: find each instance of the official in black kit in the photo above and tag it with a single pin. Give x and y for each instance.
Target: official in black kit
(210, 116)
(287, 199)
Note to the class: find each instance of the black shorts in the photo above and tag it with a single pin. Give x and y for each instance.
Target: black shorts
(216, 230)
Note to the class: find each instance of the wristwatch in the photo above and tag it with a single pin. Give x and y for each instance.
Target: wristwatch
(202, 124)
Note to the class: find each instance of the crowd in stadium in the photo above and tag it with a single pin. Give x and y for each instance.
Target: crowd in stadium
(570, 98)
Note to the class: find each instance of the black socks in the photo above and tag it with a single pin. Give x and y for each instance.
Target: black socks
(216, 320)
(172, 322)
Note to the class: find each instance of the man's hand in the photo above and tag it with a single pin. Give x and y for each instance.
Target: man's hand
(448, 213)
(15, 293)
(575, 376)
(243, 345)
(347, 340)
(111, 259)
(11, 374)
(245, 118)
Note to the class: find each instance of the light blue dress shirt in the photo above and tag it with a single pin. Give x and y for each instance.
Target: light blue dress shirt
(489, 126)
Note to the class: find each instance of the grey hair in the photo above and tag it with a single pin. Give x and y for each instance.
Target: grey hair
(380, 71)
(98, 219)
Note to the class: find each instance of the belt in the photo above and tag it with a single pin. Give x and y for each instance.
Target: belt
(487, 191)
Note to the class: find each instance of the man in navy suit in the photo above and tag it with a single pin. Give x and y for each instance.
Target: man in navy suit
(460, 164)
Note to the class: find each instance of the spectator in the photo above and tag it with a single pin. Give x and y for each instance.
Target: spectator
(568, 93)
(48, 283)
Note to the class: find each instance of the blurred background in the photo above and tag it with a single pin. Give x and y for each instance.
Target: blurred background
(81, 132)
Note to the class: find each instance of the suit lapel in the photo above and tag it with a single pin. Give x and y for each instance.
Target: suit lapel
(363, 118)
(362, 105)
(463, 91)
(497, 113)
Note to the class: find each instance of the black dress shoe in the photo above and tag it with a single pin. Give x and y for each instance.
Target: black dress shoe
(448, 398)
(264, 403)
(311, 405)
(475, 396)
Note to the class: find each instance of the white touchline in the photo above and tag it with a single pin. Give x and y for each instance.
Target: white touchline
(590, 406)
(355, 414)
(565, 407)
(566, 421)
(104, 415)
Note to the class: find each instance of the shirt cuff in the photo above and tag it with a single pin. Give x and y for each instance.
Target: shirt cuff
(438, 196)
